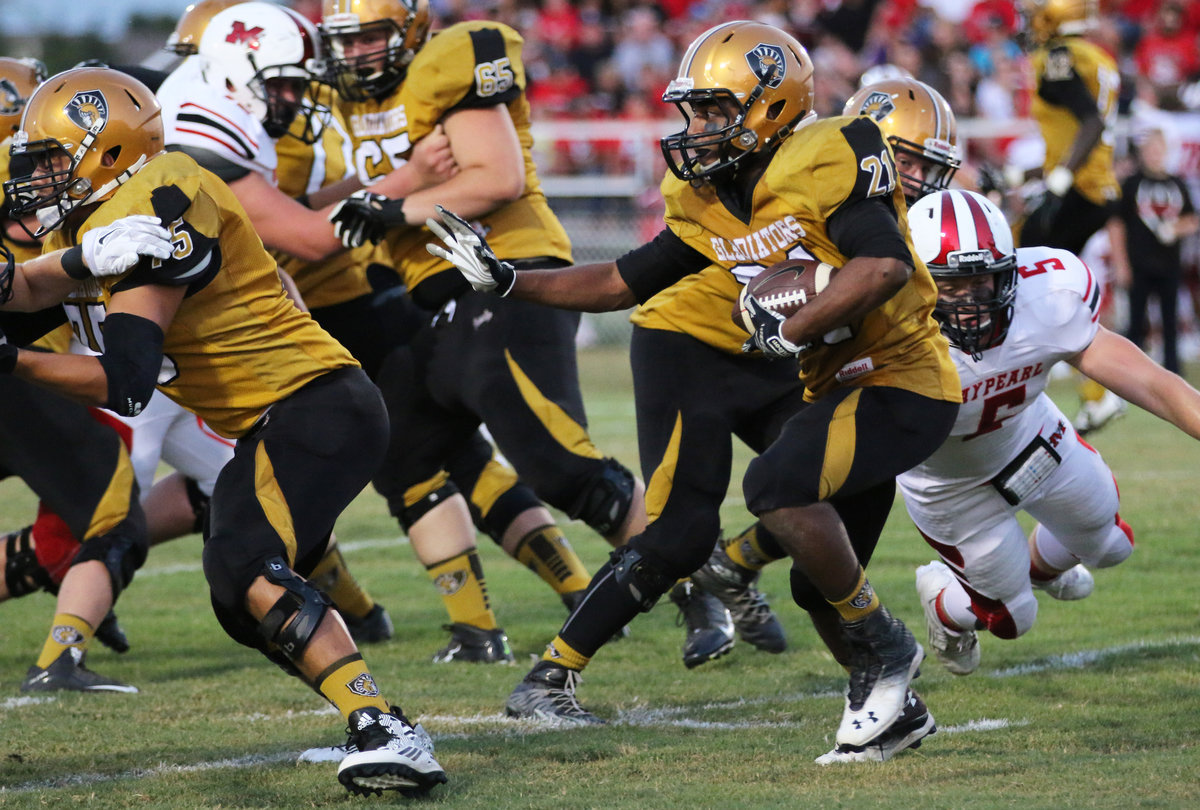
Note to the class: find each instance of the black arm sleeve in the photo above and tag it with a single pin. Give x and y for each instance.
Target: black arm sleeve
(132, 359)
(867, 227)
(1060, 84)
(23, 328)
(658, 264)
(222, 167)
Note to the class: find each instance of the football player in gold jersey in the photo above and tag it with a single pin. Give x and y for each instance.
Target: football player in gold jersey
(1075, 105)
(509, 365)
(360, 300)
(206, 323)
(755, 179)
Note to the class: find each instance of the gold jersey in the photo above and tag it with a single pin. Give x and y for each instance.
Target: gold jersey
(468, 65)
(237, 344)
(1056, 66)
(818, 169)
(304, 168)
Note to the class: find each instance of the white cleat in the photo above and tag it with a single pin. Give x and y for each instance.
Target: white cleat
(914, 724)
(1095, 414)
(958, 650)
(1074, 583)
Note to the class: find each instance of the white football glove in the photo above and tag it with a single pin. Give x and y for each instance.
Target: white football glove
(469, 252)
(113, 249)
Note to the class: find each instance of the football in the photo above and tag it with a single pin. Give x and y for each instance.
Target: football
(784, 288)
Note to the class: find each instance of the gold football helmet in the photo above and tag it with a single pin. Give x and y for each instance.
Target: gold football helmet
(185, 39)
(1045, 19)
(400, 27)
(742, 88)
(18, 79)
(85, 132)
(918, 122)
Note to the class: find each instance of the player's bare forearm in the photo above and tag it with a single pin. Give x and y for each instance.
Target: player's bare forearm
(1090, 130)
(864, 283)
(1119, 365)
(75, 376)
(39, 283)
(584, 288)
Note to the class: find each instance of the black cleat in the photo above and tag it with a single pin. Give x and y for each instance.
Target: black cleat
(884, 661)
(736, 587)
(914, 724)
(385, 753)
(110, 634)
(548, 693)
(376, 626)
(470, 643)
(709, 627)
(68, 674)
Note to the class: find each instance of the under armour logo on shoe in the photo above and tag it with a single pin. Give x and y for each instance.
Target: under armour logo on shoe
(858, 724)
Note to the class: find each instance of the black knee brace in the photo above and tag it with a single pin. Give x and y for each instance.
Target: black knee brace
(805, 594)
(199, 503)
(121, 554)
(23, 574)
(411, 514)
(605, 500)
(301, 600)
(644, 579)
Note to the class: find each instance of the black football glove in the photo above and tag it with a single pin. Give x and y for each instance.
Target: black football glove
(364, 217)
(767, 337)
(469, 252)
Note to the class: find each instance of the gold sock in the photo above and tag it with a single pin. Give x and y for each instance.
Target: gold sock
(752, 550)
(333, 577)
(546, 552)
(460, 582)
(68, 630)
(860, 602)
(560, 652)
(348, 685)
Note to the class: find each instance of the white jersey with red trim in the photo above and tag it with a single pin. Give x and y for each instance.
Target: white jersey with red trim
(195, 114)
(1055, 316)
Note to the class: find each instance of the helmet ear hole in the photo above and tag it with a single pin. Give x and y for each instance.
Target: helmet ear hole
(774, 111)
(110, 157)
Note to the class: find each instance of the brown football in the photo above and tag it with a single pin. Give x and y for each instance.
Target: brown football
(784, 288)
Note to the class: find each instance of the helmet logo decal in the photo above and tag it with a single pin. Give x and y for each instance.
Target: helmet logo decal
(88, 110)
(241, 35)
(10, 98)
(878, 105)
(767, 60)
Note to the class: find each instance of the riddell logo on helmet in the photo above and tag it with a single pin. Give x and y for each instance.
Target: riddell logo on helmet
(88, 110)
(969, 257)
(766, 59)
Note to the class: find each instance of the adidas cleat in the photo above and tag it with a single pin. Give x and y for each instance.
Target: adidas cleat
(376, 626)
(885, 660)
(548, 693)
(1074, 583)
(958, 650)
(476, 645)
(709, 626)
(736, 587)
(914, 724)
(68, 674)
(384, 752)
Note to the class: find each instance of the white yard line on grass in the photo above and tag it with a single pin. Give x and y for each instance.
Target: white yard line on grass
(354, 545)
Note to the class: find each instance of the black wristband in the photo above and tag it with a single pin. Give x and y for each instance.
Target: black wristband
(73, 266)
(8, 358)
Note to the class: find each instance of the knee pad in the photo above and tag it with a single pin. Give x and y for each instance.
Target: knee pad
(411, 514)
(199, 503)
(302, 603)
(805, 594)
(1114, 549)
(605, 499)
(121, 555)
(23, 574)
(644, 578)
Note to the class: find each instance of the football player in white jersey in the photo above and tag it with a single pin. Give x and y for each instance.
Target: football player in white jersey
(1010, 314)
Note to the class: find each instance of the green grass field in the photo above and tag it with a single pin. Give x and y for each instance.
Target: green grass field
(1097, 706)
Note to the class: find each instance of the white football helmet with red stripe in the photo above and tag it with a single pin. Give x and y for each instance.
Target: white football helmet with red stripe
(967, 245)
